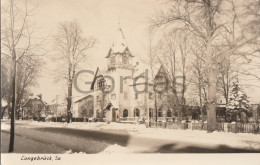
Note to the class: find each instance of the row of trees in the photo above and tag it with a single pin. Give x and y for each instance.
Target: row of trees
(22, 56)
(20, 62)
(207, 42)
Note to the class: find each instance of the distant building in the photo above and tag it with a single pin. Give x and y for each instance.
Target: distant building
(83, 107)
(34, 108)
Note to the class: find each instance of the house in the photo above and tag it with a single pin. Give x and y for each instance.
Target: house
(34, 108)
(4, 110)
(83, 107)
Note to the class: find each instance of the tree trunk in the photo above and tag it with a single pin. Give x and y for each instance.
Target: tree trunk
(155, 105)
(211, 106)
(11, 144)
(212, 74)
(201, 108)
(178, 109)
(101, 115)
(69, 102)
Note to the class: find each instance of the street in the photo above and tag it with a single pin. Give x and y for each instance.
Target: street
(61, 139)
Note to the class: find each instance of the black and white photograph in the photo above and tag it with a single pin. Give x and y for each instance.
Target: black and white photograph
(132, 80)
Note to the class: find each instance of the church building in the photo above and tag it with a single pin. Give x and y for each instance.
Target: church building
(124, 92)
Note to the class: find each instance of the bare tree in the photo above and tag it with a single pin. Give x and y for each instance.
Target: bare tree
(86, 110)
(6, 93)
(73, 49)
(175, 52)
(199, 78)
(201, 17)
(17, 42)
(169, 61)
(151, 59)
(28, 70)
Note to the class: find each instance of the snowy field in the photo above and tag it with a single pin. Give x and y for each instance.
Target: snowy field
(238, 140)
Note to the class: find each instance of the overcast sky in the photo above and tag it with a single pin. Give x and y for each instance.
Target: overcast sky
(99, 19)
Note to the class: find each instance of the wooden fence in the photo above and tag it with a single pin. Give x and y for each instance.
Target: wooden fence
(221, 127)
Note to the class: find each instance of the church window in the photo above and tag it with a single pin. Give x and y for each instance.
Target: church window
(160, 113)
(150, 112)
(169, 113)
(99, 85)
(113, 59)
(125, 60)
(137, 112)
(125, 113)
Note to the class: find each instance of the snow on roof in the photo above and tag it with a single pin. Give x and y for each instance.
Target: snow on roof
(119, 45)
(114, 104)
(36, 97)
(82, 97)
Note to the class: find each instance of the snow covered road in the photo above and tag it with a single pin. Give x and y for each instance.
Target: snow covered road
(128, 138)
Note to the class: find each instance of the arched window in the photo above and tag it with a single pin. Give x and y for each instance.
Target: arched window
(150, 112)
(160, 113)
(169, 113)
(137, 112)
(125, 113)
(125, 60)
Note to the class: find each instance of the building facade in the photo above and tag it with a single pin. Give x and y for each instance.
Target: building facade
(83, 107)
(123, 91)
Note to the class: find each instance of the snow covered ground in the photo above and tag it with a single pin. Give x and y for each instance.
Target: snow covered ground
(238, 140)
(23, 144)
(27, 145)
(197, 136)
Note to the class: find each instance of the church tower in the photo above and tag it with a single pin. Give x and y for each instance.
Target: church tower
(119, 61)
(119, 56)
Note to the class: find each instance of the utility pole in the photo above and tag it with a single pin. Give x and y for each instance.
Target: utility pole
(57, 107)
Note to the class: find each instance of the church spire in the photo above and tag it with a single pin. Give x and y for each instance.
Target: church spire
(119, 44)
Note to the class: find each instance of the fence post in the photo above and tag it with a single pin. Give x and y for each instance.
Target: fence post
(225, 127)
(233, 127)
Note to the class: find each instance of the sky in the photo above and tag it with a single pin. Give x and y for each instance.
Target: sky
(99, 19)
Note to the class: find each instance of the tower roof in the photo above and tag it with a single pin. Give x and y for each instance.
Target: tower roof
(119, 44)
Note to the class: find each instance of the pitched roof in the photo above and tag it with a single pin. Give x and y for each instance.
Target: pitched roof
(119, 44)
(163, 71)
(34, 97)
(81, 98)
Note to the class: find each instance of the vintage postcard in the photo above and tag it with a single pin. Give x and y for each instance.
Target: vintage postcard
(154, 81)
